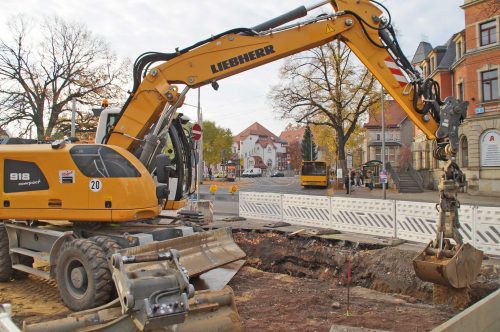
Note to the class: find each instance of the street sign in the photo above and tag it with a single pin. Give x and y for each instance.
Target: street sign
(349, 161)
(196, 132)
(383, 176)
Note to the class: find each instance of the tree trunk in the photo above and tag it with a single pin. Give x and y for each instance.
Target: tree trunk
(341, 142)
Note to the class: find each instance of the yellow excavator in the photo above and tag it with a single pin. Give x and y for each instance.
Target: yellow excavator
(151, 263)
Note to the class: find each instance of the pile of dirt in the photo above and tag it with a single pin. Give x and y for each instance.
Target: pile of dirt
(384, 269)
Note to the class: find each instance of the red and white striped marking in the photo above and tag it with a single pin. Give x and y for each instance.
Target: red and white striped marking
(396, 72)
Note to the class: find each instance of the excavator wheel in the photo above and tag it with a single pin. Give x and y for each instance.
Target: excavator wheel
(107, 244)
(6, 270)
(83, 276)
(7, 273)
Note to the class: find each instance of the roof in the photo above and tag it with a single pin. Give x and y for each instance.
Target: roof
(423, 50)
(293, 134)
(445, 54)
(258, 130)
(449, 56)
(394, 116)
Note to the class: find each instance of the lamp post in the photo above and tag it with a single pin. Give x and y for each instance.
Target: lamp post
(384, 183)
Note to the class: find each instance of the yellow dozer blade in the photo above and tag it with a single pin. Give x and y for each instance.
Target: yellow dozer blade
(458, 271)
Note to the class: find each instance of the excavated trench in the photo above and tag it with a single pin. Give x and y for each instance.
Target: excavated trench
(373, 266)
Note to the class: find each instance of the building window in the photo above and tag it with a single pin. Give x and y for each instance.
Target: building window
(488, 33)
(460, 92)
(378, 137)
(432, 64)
(489, 84)
(269, 149)
(464, 156)
(269, 163)
(459, 50)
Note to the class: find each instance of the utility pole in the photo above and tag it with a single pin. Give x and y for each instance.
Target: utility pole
(384, 183)
(200, 142)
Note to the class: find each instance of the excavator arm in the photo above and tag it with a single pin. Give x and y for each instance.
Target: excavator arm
(357, 23)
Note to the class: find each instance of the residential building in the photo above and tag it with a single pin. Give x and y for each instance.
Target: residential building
(258, 147)
(398, 136)
(467, 67)
(293, 135)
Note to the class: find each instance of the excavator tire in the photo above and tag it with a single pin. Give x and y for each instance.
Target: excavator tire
(7, 273)
(107, 244)
(6, 270)
(83, 275)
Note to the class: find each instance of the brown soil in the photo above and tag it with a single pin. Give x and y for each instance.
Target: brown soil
(300, 284)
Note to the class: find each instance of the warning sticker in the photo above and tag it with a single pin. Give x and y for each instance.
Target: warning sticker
(329, 29)
(67, 176)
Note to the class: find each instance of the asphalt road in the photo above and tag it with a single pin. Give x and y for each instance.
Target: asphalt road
(291, 185)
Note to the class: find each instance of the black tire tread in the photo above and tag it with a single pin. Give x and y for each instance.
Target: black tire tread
(99, 273)
(107, 244)
(6, 270)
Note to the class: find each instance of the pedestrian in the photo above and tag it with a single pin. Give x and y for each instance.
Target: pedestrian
(210, 173)
(372, 180)
(346, 183)
(358, 179)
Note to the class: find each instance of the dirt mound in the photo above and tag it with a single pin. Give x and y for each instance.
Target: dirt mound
(385, 269)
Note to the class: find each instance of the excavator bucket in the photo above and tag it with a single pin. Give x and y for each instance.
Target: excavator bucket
(200, 252)
(459, 271)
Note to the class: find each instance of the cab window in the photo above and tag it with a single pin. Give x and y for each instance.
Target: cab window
(96, 161)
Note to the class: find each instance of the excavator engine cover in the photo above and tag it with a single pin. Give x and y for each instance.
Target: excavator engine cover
(459, 271)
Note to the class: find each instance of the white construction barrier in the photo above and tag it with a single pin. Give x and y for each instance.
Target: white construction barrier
(487, 229)
(264, 206)
(365, 216)
(307, 210)
(417, 221)
(413, 221)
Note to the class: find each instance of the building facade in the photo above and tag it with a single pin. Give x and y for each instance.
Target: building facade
(293, 135)
(398, 136)
(257, 147)
(467, 67)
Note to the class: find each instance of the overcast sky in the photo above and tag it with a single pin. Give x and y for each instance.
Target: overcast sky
(136, 26)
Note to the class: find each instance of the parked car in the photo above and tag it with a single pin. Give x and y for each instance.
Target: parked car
(277, 174)
(251, 173)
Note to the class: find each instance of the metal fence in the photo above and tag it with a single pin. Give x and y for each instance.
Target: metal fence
(413, 221)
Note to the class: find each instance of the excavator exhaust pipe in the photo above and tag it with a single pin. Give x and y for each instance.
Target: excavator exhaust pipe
(457, 271)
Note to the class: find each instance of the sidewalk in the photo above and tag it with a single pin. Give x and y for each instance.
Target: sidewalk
(427, 196)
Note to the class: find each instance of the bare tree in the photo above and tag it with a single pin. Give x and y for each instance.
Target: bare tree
(326, 86)
(43, 69)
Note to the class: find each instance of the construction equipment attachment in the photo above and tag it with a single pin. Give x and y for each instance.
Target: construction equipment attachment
(456, 269)
(447, 260)
(208, 311)
(199, 252)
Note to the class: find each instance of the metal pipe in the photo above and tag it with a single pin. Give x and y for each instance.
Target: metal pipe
(317, 5)
(282, 19)
(292, 15)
